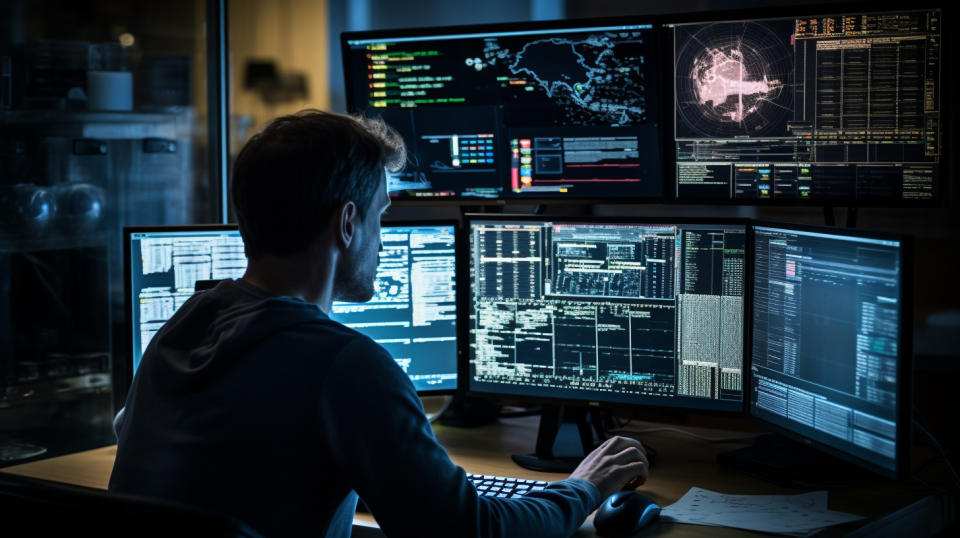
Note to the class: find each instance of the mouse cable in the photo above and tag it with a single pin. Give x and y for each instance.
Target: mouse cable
(705, 439)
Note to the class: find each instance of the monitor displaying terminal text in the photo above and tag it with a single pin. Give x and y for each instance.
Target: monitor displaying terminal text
(642, 313)
(828, 348)
(510, 111)
(412, 313)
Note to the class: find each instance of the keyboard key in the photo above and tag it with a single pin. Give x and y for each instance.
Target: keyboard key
(504, 487)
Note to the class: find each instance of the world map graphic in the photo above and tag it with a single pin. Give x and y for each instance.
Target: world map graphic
(588, 77)
(733, 79)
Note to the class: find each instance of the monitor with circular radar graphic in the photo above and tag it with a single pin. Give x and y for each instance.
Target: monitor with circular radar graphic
(842, 107)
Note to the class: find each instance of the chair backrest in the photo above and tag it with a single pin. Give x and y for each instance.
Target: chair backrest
(43, 507)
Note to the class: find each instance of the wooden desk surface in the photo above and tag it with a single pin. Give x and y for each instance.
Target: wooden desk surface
(681, 464)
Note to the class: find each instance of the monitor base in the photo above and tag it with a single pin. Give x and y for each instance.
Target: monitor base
(777, 459)
(590, 429)
(556, 464)
(470, 412)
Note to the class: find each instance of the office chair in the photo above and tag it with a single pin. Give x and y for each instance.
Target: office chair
(43, 507)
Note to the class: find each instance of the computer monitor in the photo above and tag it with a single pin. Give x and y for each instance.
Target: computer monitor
(558, 110)
(606, 312)
(830, 354)
(635, 312)
(162, 270)
(840, 106)
(412, 314)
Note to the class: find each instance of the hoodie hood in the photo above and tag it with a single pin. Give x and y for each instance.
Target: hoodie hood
(217, 326)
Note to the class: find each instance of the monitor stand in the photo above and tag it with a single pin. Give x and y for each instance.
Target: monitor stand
(552, 417)
(781, 460)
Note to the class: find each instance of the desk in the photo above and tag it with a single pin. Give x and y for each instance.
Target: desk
(681, 463)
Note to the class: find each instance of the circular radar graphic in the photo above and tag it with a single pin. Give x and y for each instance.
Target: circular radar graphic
(733, 79)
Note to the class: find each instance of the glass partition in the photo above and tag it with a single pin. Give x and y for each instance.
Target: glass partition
(102, 125)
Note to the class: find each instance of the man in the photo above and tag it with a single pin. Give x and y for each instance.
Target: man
(252, 402)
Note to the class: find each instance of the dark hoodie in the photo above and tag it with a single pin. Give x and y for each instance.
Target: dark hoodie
(262, 407)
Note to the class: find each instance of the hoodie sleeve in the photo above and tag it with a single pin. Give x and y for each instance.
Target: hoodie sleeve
(387, 453)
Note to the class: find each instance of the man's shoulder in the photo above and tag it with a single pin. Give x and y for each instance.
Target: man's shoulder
(362, 368)
(357, 353)
(323, 329)
(361, 347)
(335, 339)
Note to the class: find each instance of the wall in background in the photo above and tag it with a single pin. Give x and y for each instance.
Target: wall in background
(292, 34)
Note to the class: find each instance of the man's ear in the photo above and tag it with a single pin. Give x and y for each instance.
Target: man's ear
(346, 224)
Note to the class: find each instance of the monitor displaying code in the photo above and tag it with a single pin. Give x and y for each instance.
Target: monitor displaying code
(549, 113)
(626, 313)
(826, 339)
(412, 313)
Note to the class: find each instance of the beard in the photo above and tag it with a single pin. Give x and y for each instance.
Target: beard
(354, 282)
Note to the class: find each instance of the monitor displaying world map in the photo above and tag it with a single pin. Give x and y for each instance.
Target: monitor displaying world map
(565, 112)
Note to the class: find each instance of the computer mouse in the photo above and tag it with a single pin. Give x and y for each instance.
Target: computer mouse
(625, 513)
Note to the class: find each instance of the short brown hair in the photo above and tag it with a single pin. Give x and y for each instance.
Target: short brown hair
(288, 178)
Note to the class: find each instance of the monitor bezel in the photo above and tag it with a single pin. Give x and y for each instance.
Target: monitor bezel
(558, 24)
(904, 356)
(668, 135)
(469, 390)
(123, 368)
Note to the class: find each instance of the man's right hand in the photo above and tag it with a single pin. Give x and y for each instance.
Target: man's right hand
(614, 463)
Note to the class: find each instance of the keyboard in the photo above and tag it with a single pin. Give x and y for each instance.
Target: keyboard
(503, 486)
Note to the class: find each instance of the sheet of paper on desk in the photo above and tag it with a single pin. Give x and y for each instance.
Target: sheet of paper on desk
(798, 515)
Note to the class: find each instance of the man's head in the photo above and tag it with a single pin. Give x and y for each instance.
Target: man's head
(311, 171)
